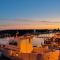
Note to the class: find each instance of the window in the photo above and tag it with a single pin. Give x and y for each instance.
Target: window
(13, 43)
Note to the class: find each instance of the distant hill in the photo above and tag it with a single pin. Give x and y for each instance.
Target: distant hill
(22, 32)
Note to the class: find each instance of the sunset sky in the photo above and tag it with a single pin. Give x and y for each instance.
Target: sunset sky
(29, 14)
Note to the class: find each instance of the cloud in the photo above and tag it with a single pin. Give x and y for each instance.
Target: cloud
(43, 23)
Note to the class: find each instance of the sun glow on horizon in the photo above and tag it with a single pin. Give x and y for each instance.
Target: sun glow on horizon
(34, 26)
(42, 23)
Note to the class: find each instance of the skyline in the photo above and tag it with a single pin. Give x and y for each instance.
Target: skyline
(32, 13)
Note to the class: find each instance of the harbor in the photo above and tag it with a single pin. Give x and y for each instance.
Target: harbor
(29, 29)
(32, 47)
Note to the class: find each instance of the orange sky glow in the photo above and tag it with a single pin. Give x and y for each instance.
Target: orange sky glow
(44, 23)
(38, 26)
